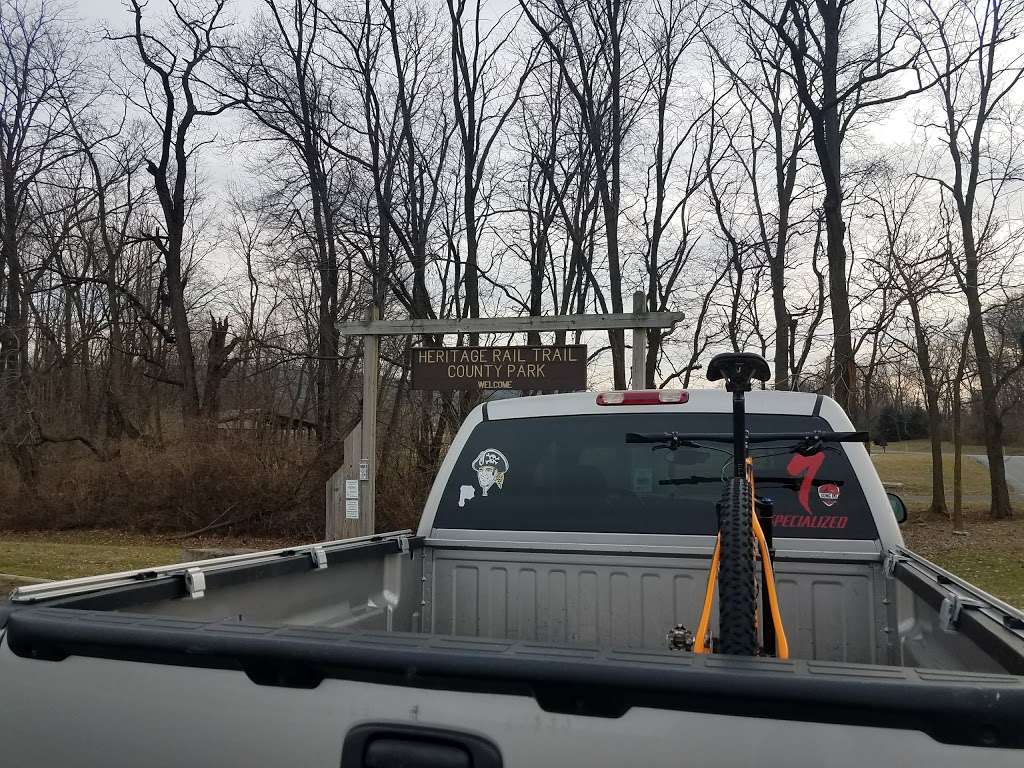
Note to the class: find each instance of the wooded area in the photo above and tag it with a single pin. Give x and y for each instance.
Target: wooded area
(195, 197)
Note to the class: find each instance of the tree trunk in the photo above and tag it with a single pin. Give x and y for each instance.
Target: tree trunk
(842, 373)
(218, 365)
(778, 281)
(785, 183)
(190, 403)
(472, 248)
(10, 334)
(616, 337)
(827, 137)
(938, 503)
(992, 419)
(931, 395)
(958, 461)
(537, 285)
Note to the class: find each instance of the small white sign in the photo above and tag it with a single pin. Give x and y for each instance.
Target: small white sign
(351, 509)
(351, 489)
(364, 470)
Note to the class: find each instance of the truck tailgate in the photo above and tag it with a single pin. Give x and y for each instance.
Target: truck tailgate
(242, 694)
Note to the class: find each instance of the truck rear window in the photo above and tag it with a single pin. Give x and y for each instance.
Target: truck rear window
(577, 473)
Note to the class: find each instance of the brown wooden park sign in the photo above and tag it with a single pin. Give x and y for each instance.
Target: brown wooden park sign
(562, 368)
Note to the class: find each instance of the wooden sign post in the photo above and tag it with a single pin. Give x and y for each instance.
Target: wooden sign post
(345, 517)
(562, 368)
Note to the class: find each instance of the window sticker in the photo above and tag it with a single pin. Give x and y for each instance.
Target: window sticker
(490, 466)
(466, 493)
(643, 480)
(828, 493)
(808, 466)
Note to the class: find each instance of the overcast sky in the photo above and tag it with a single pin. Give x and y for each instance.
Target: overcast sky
(220, 164)
(112, 10)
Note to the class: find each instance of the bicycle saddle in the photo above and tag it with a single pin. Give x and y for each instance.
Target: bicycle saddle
(738, 369)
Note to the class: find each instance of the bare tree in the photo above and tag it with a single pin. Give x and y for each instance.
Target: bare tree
(113, 162)
(484, 94)
(424, 132)
(169, 66)
(37, 60)
(680, 144)
(590, 43)
(540, 193)
(916, 253)
(973, 52)
(845, 57)
(777, 130)
(279, 76)
(566, 168)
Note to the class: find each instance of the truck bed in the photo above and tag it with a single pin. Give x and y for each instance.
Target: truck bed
(856, 607)
(881, 641)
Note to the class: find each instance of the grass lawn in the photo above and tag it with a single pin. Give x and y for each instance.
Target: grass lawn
(924, 446)
(70, 554)
(914, 471)
(66, 556)
(990, 556)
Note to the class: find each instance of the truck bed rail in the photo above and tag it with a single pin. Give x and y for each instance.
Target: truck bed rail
(307, 554)
(993, 625)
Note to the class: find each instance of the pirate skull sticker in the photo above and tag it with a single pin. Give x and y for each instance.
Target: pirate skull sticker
(490, 467)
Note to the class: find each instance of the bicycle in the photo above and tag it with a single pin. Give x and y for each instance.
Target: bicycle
(744, 521)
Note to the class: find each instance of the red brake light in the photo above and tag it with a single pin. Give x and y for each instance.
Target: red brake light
(643, 397)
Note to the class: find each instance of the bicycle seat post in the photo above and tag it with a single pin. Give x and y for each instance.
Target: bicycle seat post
(738, 369)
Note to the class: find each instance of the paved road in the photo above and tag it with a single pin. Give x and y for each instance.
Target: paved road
(1014, 469)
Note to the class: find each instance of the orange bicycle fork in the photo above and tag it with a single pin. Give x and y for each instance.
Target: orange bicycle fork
(773, 632)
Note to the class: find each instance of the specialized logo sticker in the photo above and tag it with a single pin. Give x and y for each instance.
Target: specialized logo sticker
(828, 493)
(807, 467)
(490, 467)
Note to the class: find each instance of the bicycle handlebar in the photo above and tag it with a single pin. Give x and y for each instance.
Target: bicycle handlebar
(677, 438)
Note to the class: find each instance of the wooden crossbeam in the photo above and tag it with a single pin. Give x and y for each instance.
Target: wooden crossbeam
(623, 320)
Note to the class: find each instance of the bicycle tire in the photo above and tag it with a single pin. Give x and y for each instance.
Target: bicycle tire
(737, 600)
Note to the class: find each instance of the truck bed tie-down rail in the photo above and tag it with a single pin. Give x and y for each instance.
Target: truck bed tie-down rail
(195, 575)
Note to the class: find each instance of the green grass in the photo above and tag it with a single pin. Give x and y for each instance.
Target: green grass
(66, 556)
(57, 555)
(914, 471)
(990, 556)
(924, 446)
(994, 572)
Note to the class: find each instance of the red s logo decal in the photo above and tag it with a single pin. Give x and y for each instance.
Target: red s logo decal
(807, 466)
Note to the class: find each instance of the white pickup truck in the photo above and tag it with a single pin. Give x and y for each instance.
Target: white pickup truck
(532, 621)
